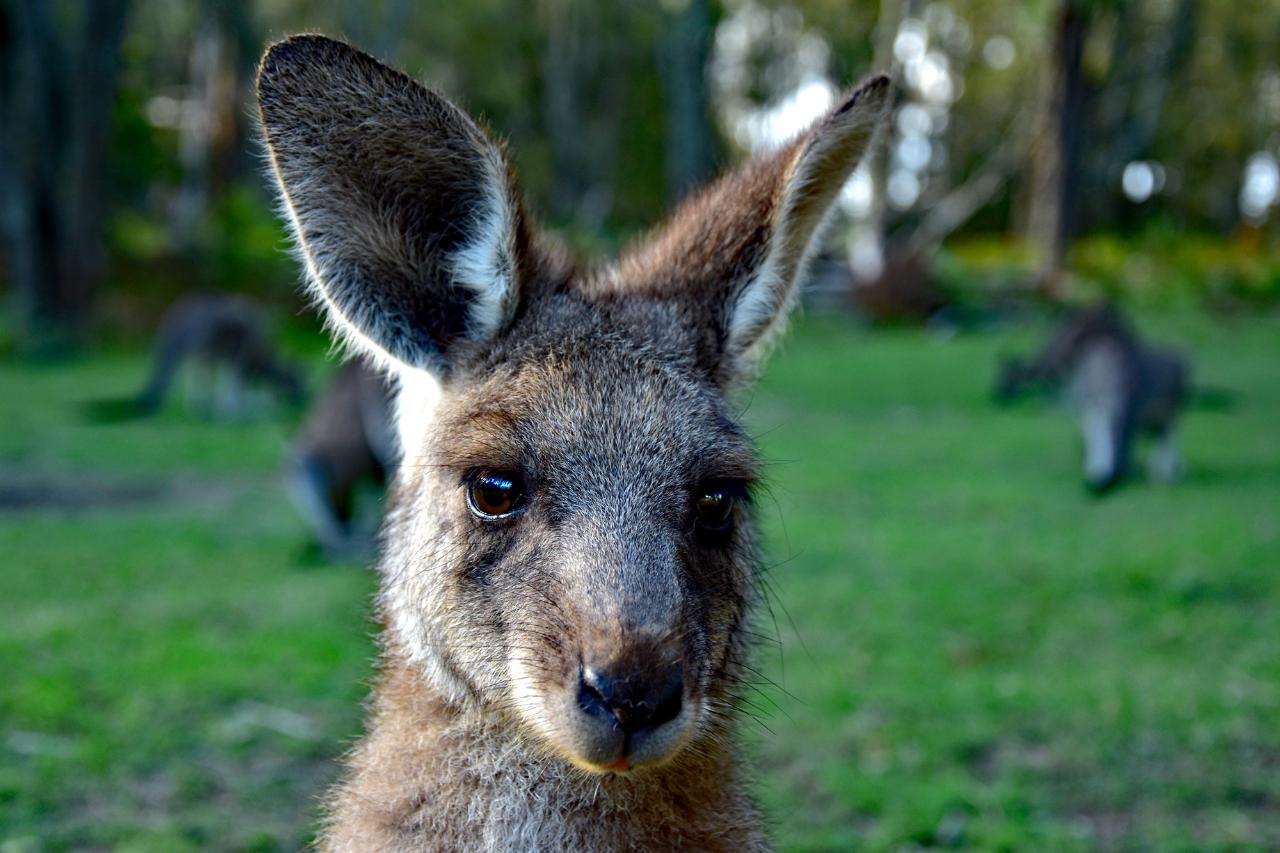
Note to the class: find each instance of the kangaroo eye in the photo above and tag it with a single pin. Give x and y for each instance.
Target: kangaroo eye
(493, 495)
(713, 508)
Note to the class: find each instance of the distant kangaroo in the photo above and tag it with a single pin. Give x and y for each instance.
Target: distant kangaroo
(1119, 387)
(347, 440)
(570, 554)
(222, 334)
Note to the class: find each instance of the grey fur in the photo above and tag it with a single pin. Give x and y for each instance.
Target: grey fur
(494, 724)
(1120, 388)
(216, 332)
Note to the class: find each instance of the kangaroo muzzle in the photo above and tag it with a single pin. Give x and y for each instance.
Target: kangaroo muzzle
(628, 708)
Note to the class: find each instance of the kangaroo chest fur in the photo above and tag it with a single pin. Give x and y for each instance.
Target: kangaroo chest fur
(570, 558)
(431, 776)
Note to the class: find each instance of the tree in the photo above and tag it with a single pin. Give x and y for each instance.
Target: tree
(1056, 156)
(683, 51)
(59, 77)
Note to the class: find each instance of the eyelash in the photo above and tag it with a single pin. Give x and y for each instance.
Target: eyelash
(740, 489)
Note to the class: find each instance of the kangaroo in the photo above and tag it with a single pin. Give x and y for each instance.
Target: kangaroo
(346, 440)
(569, 558)
(1119, 387)
(217, 333)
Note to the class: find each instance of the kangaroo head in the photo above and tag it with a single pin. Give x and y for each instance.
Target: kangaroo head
(571, 545)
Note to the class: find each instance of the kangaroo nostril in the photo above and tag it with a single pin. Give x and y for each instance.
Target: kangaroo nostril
(590, 699)
(634, 703)
(670, 699)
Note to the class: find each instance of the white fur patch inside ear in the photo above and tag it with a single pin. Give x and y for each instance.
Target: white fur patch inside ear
(805, 204)
(416, 400)
(756, 307)
(760, 315)
(485, 265)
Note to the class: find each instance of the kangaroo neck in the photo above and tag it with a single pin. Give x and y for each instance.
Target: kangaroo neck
(428, 771)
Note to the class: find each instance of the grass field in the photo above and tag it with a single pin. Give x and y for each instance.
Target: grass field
(972, 652)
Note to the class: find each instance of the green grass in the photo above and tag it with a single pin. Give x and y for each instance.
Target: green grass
(973, 652)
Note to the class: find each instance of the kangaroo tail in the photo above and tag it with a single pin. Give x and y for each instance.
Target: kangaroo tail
(164, 367)
(153, 394)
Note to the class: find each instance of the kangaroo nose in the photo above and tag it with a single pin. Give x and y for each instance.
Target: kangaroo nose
(633, 702)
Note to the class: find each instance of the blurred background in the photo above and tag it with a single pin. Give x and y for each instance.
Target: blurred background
(963, 648)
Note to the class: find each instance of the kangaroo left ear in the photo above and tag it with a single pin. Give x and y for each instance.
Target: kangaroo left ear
(734, 256)
(404, 212)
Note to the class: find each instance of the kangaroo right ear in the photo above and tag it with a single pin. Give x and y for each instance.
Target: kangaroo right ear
(733, 256)
(403, 210)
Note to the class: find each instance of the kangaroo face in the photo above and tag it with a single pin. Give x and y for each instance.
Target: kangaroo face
(571, 547)
(583, 509)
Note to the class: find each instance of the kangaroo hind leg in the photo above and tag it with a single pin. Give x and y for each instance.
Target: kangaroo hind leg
(1164, 464)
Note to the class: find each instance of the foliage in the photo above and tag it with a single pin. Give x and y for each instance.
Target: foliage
(577, 89)
(1158, 266)
(1168, 265)
(246, 248)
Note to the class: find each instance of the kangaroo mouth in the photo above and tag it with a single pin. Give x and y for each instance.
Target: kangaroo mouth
(594, 729)
(624, 752)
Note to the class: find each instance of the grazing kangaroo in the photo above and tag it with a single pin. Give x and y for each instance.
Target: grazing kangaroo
(570, 556)
(346, 440)
(1119, 387)
(221, 334)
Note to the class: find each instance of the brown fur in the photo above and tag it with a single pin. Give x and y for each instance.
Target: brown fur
(408, 790)
(345, 442)
(564, 677)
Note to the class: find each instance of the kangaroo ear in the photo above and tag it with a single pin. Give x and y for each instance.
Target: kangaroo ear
(733, 257)
(403, 210)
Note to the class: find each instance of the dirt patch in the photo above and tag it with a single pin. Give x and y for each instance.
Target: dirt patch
(23, 490)
(78, 496)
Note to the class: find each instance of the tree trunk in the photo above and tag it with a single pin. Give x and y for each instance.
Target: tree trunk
(682, 63)
(32, 144)
(584, 73)
(1124, 118)
(56, 128)
(1057, 157)
(561, 109)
